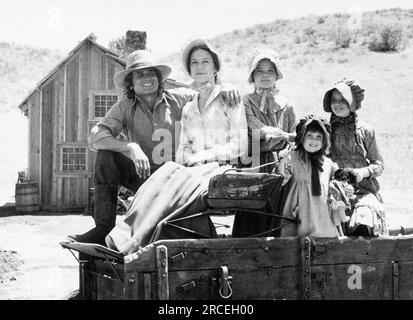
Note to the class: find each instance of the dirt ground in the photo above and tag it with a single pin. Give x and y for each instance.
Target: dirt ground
(33, 266)
(38, 267)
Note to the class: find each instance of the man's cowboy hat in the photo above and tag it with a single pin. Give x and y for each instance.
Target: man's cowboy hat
(258, 54)
(138, 60)
(197, 43)
(351, 92)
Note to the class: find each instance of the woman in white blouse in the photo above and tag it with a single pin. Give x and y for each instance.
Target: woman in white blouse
(212, 131)
(213, 138)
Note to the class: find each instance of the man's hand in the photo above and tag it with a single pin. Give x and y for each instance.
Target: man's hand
(230, 94)
(141, 161)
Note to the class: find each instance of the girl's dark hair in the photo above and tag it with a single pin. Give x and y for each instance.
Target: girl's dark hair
(215, 59)
(128, 89)
(313, 126)
(311, 123)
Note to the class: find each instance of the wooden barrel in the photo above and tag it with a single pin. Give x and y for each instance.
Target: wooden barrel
(27, 197)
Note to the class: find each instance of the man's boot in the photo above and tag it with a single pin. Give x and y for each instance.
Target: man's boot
(105, 203)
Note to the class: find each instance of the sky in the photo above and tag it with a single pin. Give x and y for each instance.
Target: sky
(61, 24)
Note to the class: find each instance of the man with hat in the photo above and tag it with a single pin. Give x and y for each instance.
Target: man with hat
(146, 116)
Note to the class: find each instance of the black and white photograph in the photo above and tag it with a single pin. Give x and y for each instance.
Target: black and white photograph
(206, 150)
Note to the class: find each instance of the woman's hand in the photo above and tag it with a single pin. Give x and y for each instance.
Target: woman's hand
(195, 160)
(361, 173)
(274, 132)
(141, 161)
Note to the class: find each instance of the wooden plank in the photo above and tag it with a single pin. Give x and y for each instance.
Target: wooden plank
(103, 73)
(352, 281)
(110, 74)
(83, 94)
(305, 268)
(396, 283)
(34, 138)
(202, 279)
(405, 290)
(59, 192)
(118, 68)
(211, 253)
(29, 137)
(147, 286)
(277, 283)
(59, 105)
(47, 154)
(40, 145)
(72, 100)
(132, 286)
(95, 70)
(56, 167)
(65, 174)
(66, 190)
(72, 192)
(383, 249)
(162, 272)
(247, 284)
(63, 125)
(57, 131)
(108, 288)
(87, 280)
(83, 191)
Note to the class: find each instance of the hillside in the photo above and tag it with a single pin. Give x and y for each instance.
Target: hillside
(311, 61)
(21, 68)
(300, 41)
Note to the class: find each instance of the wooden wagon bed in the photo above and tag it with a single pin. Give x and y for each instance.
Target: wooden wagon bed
(250, 268)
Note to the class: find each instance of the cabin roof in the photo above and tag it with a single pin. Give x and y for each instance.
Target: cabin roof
(92, 39)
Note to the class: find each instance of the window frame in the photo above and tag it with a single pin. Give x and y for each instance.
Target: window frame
(60, 157)
(92, 107)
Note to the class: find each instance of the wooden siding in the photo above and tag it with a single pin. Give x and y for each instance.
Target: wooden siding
(58, 129)
(72, 100)
(73, 191)
(34, 138)
(111, 72)
(103, 73)
(83, 110)
(47, 143)
(97, 70)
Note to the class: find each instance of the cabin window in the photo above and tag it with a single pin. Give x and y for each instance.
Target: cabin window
(73, 159)
(102, 103)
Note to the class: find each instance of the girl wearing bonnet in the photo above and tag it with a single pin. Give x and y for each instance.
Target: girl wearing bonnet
(354, 146)
(309, 172)
(269, 114)
(271, 125)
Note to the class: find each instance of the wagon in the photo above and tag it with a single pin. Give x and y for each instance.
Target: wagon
(250, 268)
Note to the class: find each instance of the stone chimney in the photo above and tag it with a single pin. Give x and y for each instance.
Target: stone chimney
(134, 40)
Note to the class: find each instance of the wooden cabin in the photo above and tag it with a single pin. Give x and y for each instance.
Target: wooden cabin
(61, 110)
